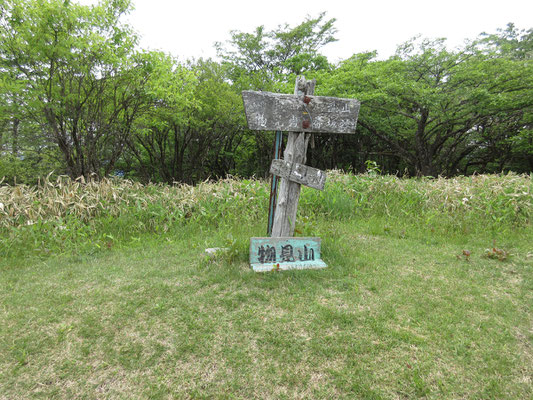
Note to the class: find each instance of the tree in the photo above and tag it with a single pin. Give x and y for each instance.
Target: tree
(4, 107)
(270, 60)
(159, 143)
(510, 42)
(433, 107)
(194, 125)
(259, 59)
(79, 76)
(517, 45)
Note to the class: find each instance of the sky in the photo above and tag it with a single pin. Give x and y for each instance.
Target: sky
(189, 29)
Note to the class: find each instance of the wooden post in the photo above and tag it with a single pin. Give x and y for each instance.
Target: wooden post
(295, 152)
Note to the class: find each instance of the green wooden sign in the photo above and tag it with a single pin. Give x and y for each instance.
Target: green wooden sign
(280, 254)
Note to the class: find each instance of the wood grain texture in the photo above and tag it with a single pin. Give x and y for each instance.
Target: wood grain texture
(299, 173)
(274, 183)
(284, 112)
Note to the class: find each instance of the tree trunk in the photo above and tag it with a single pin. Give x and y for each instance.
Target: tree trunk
(424, 154)
(15, 137)
(2, 126)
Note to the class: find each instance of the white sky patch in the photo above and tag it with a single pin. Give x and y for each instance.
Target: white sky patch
(189, 29)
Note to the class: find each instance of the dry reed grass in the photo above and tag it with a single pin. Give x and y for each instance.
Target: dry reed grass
(86, 200)
(505, 198)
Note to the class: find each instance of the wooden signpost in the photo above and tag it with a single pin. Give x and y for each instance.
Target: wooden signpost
(300, 114)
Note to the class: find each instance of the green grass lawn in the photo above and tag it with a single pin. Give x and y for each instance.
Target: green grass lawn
(398, 314)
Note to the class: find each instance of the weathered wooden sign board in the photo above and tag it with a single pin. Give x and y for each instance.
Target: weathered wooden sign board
(300, 114)
(281, 254)
(312, 114)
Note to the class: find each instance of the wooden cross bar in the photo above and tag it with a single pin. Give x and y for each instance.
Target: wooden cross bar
(302, 174)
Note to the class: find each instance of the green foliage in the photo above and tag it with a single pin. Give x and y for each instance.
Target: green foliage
(77, 97)
(193, 125)
(260, 59)
(440, 111)
(462, 204)
(12, 168)
(510, 42)
(65, 215)
(80, 86)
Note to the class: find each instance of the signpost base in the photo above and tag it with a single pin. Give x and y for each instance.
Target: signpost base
(285, 253)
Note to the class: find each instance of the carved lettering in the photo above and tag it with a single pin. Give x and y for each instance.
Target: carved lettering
(287, 253)
(284, 112)
(297, 251)
(267, 254)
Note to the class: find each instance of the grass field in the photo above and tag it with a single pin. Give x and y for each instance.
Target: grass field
(106, 309)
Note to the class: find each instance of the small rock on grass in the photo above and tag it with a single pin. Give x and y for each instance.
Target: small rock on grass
(214, 250)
